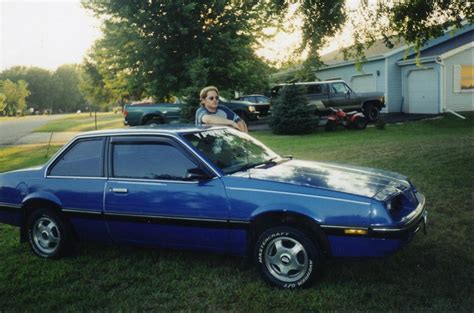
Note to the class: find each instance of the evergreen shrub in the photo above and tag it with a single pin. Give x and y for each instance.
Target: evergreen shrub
(291, 114)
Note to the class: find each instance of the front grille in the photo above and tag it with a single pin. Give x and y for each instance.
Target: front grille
(263, 109)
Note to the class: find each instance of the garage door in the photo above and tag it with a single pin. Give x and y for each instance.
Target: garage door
(363, 83)
(423, 92)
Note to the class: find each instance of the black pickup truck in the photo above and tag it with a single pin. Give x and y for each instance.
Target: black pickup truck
(337, 94)
(164, 113)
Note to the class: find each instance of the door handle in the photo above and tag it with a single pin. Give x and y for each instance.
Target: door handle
(119, 190)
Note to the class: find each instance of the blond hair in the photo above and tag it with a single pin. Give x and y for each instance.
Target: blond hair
(205, 90)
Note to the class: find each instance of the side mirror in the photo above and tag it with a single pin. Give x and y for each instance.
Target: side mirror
(196, 174)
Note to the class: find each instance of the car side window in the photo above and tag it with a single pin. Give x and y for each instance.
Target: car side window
(314, 89)
(83, 159)
(149, 160)
(339, 88)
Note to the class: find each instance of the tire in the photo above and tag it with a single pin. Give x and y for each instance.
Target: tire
(244, 117)
(287, 258)
(49, 235)
(360, 123)
(154, 120)
(331, 126)
(371, 112)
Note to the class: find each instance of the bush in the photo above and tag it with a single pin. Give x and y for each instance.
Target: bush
(381, 123)
(291, 113)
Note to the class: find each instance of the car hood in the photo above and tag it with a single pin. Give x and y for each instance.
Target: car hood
(360, 181)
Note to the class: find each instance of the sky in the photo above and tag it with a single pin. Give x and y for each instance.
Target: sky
(45, 33)
(51, 33)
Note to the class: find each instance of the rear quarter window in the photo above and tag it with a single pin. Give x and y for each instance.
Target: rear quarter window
(83, 159)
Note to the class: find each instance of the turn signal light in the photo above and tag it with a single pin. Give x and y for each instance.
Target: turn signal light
(351, 231)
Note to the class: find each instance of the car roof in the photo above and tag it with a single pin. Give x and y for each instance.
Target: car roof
(174, 129)
(312, 83)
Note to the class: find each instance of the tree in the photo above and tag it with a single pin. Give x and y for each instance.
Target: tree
(67, 96)
(22, 93)
(3, 102)
(149, 46)
(9, 90)
(93, 88)
(40, 84)
(291, 113)
(152, 45)
(13, 96)
(199, 72)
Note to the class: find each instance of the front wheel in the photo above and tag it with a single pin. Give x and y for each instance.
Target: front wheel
(49, 235)
(244, 117)
(287, 258)
(371, 112)
(360, 123)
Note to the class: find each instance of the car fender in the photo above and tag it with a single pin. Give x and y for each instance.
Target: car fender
(285, 208)
(292, 214)
(41, 196)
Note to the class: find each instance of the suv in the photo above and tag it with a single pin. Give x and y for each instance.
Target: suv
(337, 94)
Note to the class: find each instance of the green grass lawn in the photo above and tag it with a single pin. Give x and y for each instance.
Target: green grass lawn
(83, 122)
(433, 273)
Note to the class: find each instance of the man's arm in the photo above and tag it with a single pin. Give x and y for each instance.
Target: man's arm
(217, 120)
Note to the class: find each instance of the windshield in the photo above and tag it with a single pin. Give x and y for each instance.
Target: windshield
(231, 150)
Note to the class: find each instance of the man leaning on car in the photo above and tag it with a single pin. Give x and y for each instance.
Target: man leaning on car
(212, 113)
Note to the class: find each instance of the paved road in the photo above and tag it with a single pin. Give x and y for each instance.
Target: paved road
(12, 131)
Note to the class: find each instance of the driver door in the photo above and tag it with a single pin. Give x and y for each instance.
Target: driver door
(148, 199)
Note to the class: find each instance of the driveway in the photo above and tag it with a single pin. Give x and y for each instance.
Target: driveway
(12, 131)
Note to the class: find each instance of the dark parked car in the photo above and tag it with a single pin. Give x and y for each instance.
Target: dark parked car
(337, 94)
(261, 103)
(213, 189)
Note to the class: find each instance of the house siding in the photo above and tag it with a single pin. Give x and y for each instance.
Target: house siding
(457, 101)
(393, 95)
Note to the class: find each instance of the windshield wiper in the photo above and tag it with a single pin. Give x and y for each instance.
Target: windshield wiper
(270, 161)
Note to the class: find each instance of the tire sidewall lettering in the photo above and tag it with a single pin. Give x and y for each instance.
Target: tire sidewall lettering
(265, 241)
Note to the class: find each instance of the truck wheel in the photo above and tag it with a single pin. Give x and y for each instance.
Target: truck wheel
(244, 117)
(154, 120)
(287, 258)
(371, 112)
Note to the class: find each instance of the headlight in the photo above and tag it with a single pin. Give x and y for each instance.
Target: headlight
(251, 108)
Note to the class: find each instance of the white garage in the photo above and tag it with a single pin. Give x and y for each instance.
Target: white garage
(423, 91)
(363, 83)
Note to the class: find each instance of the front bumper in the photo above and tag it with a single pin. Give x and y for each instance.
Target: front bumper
(378, 241)
(410, 226)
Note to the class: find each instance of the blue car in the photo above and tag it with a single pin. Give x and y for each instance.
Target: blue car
(213, 189)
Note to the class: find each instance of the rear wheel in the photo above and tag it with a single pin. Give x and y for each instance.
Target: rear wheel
(371, 112)
(331, 125)
(360, 123)
(154, 120)
(49, 235)
(287, 258)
